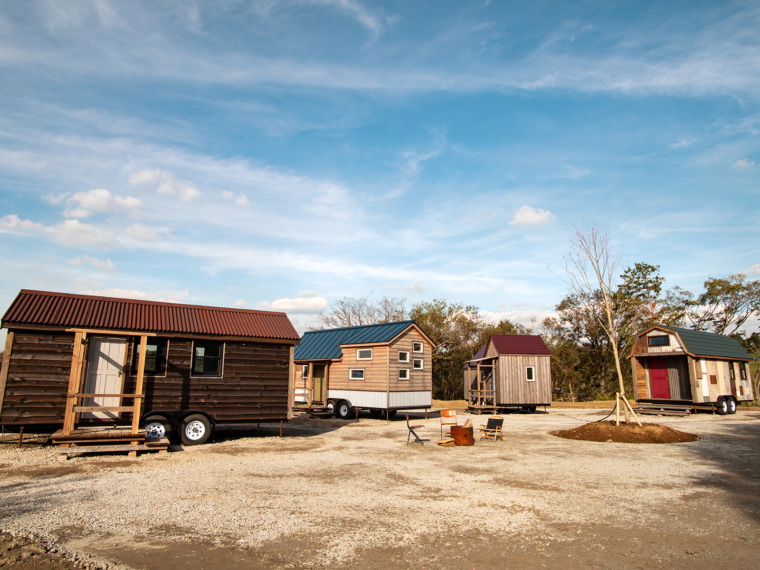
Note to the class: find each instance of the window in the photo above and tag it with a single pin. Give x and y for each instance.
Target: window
(417, 364)
(731, 372)
(356, 374)
(659, 340)
(403, 356)
(403, 374)
(530, 373)
(155, 356)
(363, 354)
(742, 371)
(207, 358)
(305, 371)
(417, 347)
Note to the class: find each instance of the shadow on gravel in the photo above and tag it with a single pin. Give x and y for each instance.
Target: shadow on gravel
(735, 453)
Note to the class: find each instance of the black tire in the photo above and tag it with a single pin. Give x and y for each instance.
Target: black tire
(375, 413)
(158, 426)
(731, 405)
(196, 429)
(721, 406)
(343, 410)
(331, 406)
(529, 409)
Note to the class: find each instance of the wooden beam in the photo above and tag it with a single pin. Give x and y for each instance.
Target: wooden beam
(4, 370)
(139, 384)
(75, 376)
(106, 332)
(291, 383)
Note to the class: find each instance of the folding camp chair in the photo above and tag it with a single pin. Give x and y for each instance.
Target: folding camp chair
(411, 433)
(448, 418)
(492, 429)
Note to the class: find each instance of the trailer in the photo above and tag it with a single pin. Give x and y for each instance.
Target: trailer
(678, 367)
(81, 361)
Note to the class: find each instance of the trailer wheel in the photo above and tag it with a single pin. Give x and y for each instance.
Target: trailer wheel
(721, 406)
(343, 410)
(731, 405)
(158, 426)
(196, 429)
(331, 406)
(375, 412)
(529, 409)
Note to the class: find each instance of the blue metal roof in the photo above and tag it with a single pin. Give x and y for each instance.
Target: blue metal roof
(325, 344)
(701, 343)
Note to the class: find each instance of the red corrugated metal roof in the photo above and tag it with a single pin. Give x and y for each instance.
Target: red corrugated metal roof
(519, 344)
(44, 308)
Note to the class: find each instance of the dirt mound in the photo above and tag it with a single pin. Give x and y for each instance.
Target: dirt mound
(626, 433)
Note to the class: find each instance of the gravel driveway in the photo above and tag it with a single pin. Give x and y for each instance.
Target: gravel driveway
(346, 494)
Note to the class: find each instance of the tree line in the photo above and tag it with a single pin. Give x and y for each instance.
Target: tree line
(582, 349)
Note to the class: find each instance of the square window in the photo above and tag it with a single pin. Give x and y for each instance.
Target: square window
(418, 364)
(530, 373)
(305, 371)
(155, 356)
(659, 340)
(403, 374)
(207, 358)
(403, 356)
(417, 347)
(363, 354)
(356, 374)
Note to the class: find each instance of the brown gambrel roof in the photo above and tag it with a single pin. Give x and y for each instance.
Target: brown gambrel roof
(42, 308)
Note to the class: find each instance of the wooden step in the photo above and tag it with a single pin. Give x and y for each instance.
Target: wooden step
(159, 445)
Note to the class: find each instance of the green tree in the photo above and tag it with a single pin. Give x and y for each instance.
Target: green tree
(726, 304)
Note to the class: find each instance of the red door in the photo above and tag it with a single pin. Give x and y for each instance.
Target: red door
(658, 378)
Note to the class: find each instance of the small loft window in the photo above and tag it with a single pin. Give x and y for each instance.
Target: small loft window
(742, 371)
(530, 373)
(207, 358)
(155, 357)
(305, 371)
(417, 346)
(363, 354)
(418, 364)
(403, 356)
(356, 374)
(403, 374)
(663, 340)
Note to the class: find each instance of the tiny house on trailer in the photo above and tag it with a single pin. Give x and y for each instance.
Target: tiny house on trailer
(381, 368)
(85, 360)
(510, 371)
(690, 368)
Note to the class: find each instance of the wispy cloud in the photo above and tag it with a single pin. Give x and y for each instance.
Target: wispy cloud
(86, 260)
(529, 216)
(84, 204)
(72, 233)
(166, 185)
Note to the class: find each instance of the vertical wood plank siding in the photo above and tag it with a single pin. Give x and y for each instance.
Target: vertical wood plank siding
(513, 388)
(254, 386)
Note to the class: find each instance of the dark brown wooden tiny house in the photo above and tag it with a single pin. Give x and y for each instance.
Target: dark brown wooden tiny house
(215, 365)
(509, 371)
(695, 368)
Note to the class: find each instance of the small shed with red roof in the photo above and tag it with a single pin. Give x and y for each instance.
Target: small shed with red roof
(509, 371)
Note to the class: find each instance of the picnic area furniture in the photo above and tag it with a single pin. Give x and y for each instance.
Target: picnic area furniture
(448, 418)
(462, 435)
(492, 429)
(411, 428)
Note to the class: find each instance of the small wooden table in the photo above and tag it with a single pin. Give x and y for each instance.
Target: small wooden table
(462, 435)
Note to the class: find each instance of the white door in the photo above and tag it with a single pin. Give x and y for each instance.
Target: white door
(105, 368)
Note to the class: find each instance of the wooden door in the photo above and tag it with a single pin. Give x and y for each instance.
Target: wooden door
(318, 395)
(105, 370)
(658, 378)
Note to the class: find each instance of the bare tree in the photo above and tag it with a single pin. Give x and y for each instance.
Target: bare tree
(591, 268)
(357, 311)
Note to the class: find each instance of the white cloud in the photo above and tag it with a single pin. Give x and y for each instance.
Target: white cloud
(166, 185)
(240, 304)
(83, 204)
(528, 216)
(163, 295)
(415, 287)
(526, 317)
(752, 271)
(143, 233)
(307, 302)
(241, 199)
(744, 164)
(106, 265)
(72, 233)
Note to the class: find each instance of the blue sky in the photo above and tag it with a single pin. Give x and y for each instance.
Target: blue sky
(284, 154)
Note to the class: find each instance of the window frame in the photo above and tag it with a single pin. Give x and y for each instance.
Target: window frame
(359, 350)
(417, 343)
(743, 371)
(220, 359)
(421, 366)
(404, 370)
(304, 371)
(136, 357)
(658, 337)
(530, 373)
(351, 373)
(405, 360)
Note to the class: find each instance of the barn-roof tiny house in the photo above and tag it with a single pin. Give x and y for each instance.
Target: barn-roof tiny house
(696, 368)
(162, 361)
(381, 367)
(509, 371)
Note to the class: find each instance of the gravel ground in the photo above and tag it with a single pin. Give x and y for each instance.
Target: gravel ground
(337, 494)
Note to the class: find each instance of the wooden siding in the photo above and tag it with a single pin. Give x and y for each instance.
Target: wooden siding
(254, 386)
(641, 390)
(513, 388)
(375, 370)
(419, 380)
